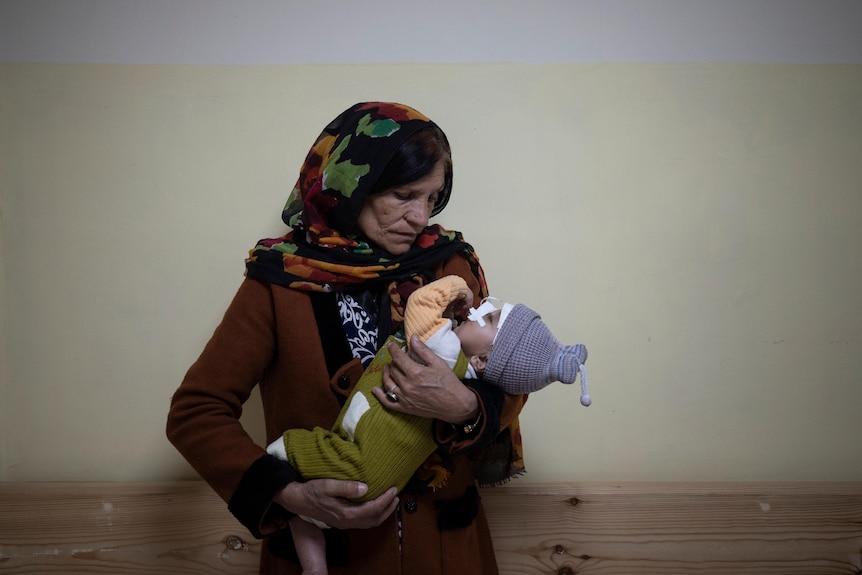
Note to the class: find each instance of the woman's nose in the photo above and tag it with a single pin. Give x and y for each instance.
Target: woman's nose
(419, 213)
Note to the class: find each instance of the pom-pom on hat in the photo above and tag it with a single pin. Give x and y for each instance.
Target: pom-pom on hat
(526, 356)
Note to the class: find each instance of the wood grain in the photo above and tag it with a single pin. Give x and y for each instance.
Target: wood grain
(563, 529)
(669, 528)
(129, 528)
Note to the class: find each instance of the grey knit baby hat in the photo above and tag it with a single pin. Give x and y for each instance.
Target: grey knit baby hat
(527, 357)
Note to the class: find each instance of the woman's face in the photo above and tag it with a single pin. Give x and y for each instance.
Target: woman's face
(395, 217)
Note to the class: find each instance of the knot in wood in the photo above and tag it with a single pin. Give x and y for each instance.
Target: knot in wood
(559, 549)
(574, 501)
(565, 571)
(235, 543)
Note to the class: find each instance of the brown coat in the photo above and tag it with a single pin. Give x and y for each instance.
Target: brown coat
(269, 337)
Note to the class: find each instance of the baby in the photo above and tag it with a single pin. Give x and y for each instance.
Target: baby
(506, 345)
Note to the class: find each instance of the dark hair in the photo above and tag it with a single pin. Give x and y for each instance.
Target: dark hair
(415, 159)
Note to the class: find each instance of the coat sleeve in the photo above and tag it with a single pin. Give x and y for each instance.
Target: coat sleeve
(203, 421)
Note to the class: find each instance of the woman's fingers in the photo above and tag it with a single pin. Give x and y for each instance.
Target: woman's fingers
(423, 354)
(329, 500)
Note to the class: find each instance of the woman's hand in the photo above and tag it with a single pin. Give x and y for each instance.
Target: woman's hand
(329, 501)
(426, 386)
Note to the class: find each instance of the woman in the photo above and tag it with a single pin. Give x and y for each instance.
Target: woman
(316, 304)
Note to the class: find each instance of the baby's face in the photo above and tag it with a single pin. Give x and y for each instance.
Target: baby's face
(476, 340)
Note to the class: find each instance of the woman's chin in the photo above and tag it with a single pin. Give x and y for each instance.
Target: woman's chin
(398, 247)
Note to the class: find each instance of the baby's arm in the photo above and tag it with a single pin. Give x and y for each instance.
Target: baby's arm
(426, 306)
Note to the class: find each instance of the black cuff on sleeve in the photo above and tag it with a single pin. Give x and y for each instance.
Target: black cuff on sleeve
(252, 500)
(491, 400)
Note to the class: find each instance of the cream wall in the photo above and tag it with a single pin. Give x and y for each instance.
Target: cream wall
(697, 225)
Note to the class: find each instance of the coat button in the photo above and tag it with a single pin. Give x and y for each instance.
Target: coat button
(411, 506)
(343, 382)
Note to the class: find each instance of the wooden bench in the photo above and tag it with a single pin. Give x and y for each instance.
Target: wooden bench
(564, 529)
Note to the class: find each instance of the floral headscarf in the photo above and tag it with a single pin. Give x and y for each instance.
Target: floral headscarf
(323, 251)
